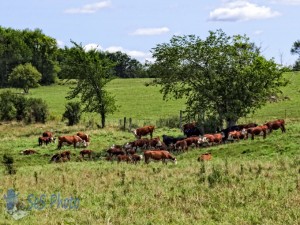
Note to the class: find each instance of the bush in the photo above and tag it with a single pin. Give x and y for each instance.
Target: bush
(7, 110)
(8, 162)
(36, 111)
(72, 113)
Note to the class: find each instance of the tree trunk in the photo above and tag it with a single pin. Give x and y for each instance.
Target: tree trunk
(103, 120)
(231, 122)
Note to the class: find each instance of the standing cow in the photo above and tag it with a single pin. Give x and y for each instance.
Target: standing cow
(75, 140)
(143, 131)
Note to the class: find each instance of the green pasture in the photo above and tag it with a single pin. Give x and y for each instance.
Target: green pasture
(246, 182)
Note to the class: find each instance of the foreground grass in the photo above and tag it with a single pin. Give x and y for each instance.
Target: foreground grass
(250, 182)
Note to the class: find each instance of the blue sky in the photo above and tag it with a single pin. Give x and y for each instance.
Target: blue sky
(137, 26)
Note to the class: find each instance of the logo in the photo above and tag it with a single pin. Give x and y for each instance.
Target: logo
(11, 199)
(18, 209)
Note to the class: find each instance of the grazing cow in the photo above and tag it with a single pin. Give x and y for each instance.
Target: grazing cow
(140, 143)
(237, 135)
(115, 151)
(191, 129)
(275, 125)
(181, 145)
(44, 140)
(169, 140)
(124, 158)
(84, 137)
(75, 140)
(136, 158)
(49, 135)
(225, 132)
(218, 137)
(87, 152)
(143, 131)
(159, 155)
(61, 157)
(28, 152)
(154, 142)
(205, 157)
(192, 141)
(206, 139)
(257, 131)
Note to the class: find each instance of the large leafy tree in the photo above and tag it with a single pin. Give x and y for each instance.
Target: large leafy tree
(295, 50)
(25, 76)
(225, 76)
(92, 72)
(13, 51)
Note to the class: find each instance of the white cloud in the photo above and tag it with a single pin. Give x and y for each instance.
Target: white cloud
(287, 2)
(138, 55)
(89, 8)
(151, 31)
(258, 32)
(240, 10)
(92, 46)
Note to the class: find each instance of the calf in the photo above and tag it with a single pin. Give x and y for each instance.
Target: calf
(205, 157)
(89, 153)
(181, 146)
(28, 152)
(136, 158)
(124, 158)
(159, 155)
(44, 140)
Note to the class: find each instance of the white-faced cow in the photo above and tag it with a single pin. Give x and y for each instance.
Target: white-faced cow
(143, 131)
(74, 140)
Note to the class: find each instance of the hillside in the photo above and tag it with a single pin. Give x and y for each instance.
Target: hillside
(247, 182)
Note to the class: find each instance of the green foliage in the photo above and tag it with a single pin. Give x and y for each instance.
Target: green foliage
(26, 46)
(25, 76)
(8, 109)
(93, 73)
(36, 111)
(72, 113)
(221, 75)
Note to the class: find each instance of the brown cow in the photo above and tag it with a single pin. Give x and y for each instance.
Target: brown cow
(192, 141)
(154, 142)
(205, 157)
(275, 125)
(136, 158)
(181, 146)
(257, 131)
(143, 131)
(206, 140)
(159, 155)
(115, 151)
(49, 135)
(44, 140)
(140, 143)
(61, 157)
(75, 140)
(84, 137)
(124, 158)
(237, 135)
(28, 152)
(87, 152)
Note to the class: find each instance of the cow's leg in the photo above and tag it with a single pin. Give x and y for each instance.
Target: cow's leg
(282, 128)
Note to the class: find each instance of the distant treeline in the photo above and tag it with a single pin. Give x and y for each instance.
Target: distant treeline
(32, 46)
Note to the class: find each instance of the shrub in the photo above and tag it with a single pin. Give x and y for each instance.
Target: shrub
(7, 110)
(72, 113)
(36, 111)
(8, 162)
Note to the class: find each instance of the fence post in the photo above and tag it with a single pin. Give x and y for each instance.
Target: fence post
(124, 123)
(180, 119)
(130, 123)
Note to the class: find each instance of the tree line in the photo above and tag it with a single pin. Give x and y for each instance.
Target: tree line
(19, 47)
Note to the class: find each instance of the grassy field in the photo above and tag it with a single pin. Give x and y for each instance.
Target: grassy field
(248, 182)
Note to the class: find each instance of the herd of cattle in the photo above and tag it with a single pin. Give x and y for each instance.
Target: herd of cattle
(155, 148)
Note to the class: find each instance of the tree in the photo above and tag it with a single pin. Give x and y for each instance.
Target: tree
(72, 113)
(25, 76)
(296, 50)
(223, 76)
(92, 72)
